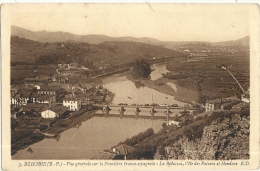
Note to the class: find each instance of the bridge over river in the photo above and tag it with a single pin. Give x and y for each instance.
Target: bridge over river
(158, 112)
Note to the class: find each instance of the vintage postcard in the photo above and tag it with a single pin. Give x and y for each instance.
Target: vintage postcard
(130, 86)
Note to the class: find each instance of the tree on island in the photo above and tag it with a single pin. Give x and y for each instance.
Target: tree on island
(141, 69)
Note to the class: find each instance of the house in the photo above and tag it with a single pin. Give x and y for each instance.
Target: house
(43, 77)
(123, 150)
(14, 90)
(72, 103)
(97, 99)
(34, 97)
(245, 97)
(57, 78)
(15, 100)
(38, 86)
(47, 99)
(70, 72)
(52, 90)
(55, 111)
(214, 104)
(24, 97)
(35, 81)
(239, 106)
(233, 99)
(73, 65)
(85, 98)
(77, 91)
(35, 108)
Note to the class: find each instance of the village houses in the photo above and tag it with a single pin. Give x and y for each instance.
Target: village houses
(218, 103)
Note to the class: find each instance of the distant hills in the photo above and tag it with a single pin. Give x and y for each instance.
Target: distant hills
(45, 36)
(240, 42)
(107, 54)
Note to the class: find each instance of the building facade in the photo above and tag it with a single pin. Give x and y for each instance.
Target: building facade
(48, 99)
(72, 103)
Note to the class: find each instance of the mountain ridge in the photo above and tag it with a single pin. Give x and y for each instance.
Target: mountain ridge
(59, 36)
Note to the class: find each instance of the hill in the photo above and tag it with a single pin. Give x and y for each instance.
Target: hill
(240, 42)
(108, 54)
(44, 36)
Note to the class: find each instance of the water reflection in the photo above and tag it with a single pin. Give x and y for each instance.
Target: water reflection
(92, 137)
(135, 93)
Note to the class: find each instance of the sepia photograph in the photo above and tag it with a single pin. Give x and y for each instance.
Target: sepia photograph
(131, 82)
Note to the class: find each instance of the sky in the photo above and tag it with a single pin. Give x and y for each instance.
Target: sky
(165, 22)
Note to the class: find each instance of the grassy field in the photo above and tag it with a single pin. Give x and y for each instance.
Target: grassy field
(209, 81)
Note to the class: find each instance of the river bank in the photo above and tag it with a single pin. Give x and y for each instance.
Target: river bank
(162, 85)
(28, 137)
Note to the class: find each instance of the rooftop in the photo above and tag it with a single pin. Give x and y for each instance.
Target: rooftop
(124, 149)
(35, 95)
(239, 105)
(97, 97)
(25, 94)
(233, 98)
(45, 97)
(17, 86)
(215, 101)
(35, 105)
(42, 76)
(35, 79)
(70, 99)
(50, 88)
(58, 109)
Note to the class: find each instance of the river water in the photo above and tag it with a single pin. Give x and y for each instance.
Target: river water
(100, 133)
(130, 92)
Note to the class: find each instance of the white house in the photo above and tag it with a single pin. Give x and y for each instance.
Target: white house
(215, 104)
(72, 103)
(54, 112)
(15, 100)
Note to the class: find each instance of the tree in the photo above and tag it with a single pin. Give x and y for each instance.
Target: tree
(141, 69)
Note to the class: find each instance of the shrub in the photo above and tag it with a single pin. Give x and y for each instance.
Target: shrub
(139, 137)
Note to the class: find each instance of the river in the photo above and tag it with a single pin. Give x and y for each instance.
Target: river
(130, 92)
(100, 133)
